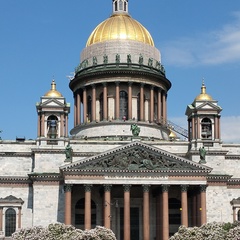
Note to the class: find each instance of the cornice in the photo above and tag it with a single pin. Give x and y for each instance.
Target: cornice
(14, 180)
(15, 154)
(234, 181)
(48, 150)
(218, 178)
(209, 152)
(45, 177)
(233, 157)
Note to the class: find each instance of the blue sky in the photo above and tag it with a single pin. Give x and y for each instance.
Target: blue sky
(42, 40)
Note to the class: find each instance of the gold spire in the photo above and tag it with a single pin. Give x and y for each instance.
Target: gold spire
(203, 96)
(53, 92)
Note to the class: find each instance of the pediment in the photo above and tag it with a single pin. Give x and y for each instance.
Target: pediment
(136, 157)
(208, 106)
(11, 199)
(52, 103)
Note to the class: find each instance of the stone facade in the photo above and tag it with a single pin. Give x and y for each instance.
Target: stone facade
(142, 185)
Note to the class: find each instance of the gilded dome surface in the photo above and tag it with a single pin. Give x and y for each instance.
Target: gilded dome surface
(53, 92)
(120, 26)
(203, 96)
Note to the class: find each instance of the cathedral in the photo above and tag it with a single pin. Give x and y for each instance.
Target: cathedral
(124, 165)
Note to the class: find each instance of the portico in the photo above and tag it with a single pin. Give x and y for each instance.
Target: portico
(147, 195)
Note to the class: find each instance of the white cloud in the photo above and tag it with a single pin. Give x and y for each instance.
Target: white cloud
(230, 127)
(211, 48)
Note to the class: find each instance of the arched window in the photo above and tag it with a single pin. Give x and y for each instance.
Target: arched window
(125, 6)
(238, 215)
(79, 213)
(10, 222)
(52, 122)
(89, 108)
(123, 105)
(120, 5)
(101, 106)
(206, 128)
(116, 6)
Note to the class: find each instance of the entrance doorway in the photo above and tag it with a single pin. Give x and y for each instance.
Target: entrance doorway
(134, 223)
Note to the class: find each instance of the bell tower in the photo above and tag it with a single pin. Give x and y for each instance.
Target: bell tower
(204, 121)
(52, 117)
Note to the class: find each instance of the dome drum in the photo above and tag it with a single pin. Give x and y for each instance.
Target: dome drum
(119, 130)
(96, 63)
(123, 48)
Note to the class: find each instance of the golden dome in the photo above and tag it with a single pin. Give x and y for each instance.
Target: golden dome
(172, 135)
(203, 96)
(120, 26)
(53, 92)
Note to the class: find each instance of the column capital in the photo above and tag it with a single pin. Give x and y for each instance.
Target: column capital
(68, 187)
(146, 188)
(107, 187)
(87, 187)
(104, 84)
(117, 83)
(184, 188)
(165, 187)
(126, 187)
(203, 188)
(93, 85)
(130, 83)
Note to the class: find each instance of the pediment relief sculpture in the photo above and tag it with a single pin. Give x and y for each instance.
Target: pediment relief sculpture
(136, 159)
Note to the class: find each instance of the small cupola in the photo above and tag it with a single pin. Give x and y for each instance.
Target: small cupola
(53, 91)
(203, 96)
(120, 6)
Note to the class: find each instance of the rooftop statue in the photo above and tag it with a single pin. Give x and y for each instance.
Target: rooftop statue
(68, 153)
(202, 152)
(135, 129)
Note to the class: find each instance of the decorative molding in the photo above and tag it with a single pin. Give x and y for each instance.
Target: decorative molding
(88, 187)
(107, 187)
(14, 180)
(184, 188)
(16, 154)
(146, 188)
(165, 187)
(47, 150)
(127, 187)
(68, 187)
(45, 177)
(203, 188)
(218, 178)
(232, 157)
(10, 200)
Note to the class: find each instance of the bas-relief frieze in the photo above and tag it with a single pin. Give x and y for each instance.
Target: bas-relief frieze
(136, 159)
